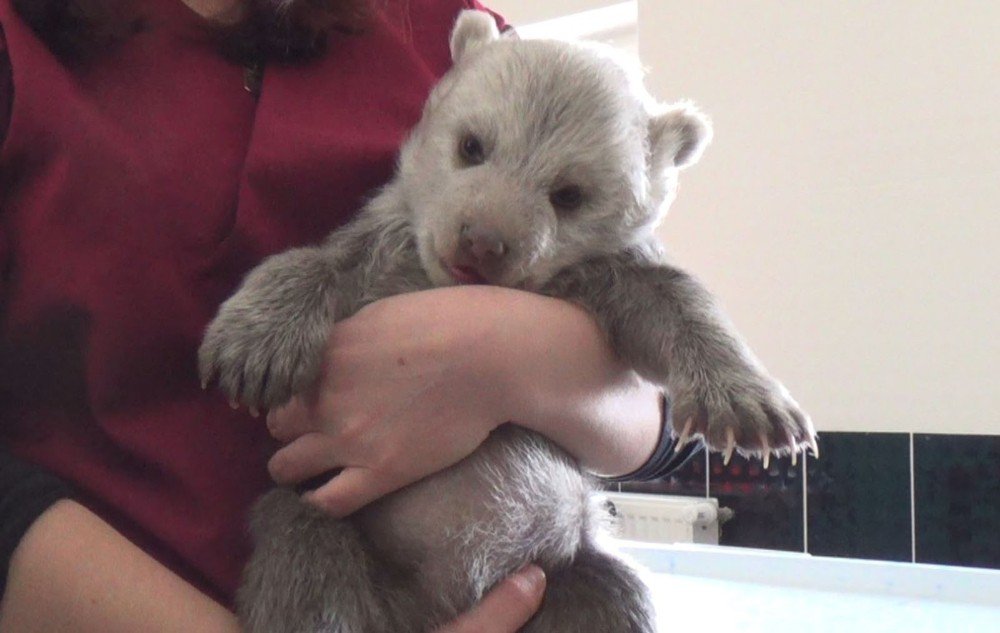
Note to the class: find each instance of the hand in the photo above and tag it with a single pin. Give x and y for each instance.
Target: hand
(406, 389)
(506, 608)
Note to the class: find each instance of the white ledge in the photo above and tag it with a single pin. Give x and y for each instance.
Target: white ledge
(611, 22)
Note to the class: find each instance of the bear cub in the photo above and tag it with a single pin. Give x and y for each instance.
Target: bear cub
(536, 165)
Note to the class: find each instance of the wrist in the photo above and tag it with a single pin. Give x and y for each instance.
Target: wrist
(545, 364)
(523, 355)
(552, 371)
(481, 346)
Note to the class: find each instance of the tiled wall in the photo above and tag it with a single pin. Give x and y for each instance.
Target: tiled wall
(884, 496)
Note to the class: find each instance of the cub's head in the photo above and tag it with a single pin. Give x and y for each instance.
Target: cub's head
(533, 155)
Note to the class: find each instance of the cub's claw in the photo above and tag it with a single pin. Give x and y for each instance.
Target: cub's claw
(730, 447)
(793, 447)
(744, 411)
(685, 435)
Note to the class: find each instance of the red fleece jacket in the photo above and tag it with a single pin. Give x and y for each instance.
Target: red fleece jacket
(135, 192)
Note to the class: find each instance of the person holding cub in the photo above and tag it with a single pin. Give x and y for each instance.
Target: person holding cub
(155, 151)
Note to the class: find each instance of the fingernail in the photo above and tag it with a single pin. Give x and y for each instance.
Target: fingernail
(310, 497)
(529, 579)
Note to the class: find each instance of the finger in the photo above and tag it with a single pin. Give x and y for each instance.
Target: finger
(292, 420)
(350, 490)
(308, 456)
(506, 608)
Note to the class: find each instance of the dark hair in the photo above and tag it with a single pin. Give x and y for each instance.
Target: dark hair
(268, 30)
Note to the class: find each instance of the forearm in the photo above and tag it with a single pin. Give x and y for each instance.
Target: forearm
(565, 382)
(73, 573)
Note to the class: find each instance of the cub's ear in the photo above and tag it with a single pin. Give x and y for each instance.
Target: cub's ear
(472, 30)
(677, 137)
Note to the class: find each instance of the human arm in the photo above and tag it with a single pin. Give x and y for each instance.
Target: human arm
(70, 572)
(414, 383)
(74, 573)
(563, 380)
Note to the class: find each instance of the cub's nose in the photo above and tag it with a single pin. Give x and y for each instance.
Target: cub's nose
(482, 247)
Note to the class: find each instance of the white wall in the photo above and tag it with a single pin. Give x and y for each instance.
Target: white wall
(848, 212)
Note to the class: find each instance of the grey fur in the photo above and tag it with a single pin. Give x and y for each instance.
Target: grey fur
(546, 116)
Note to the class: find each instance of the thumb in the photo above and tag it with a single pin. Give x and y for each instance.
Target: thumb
(506, 608)
(352, 489)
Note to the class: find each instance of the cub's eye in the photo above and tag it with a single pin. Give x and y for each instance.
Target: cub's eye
(470, 150)
(568, 198)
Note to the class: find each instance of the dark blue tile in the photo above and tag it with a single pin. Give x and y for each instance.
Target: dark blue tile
(767, 505)
(688, 481)
(957, 505)
(859, 496)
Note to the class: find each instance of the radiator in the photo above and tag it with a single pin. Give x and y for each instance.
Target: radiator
(664, 519)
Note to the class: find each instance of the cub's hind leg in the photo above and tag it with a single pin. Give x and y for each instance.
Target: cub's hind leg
(309, 573)
(596, 593)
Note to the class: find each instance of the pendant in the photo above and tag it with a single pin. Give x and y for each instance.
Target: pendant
(253, 77)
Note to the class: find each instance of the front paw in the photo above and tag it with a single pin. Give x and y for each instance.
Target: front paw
(259, 360)
(267, 341)
(744, 410)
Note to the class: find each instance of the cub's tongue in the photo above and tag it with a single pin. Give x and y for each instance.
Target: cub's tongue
(467, 275)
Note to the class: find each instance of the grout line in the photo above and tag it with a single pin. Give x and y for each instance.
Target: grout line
(708, 486)
(805, 503)
(913, 506)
